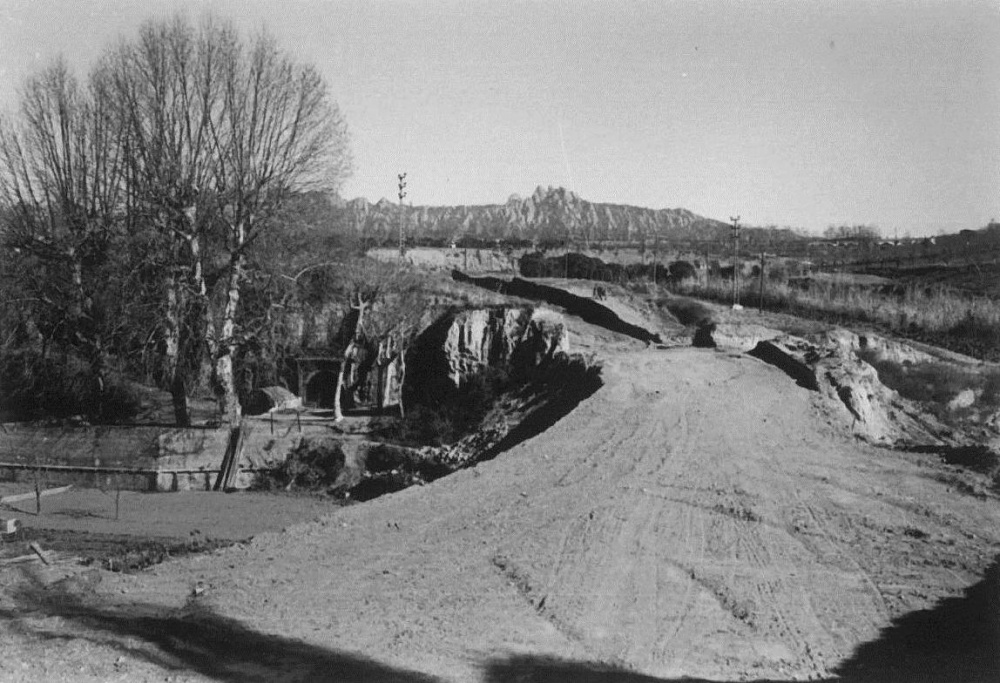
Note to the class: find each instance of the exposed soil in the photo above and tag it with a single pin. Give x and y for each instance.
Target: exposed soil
(699, 517)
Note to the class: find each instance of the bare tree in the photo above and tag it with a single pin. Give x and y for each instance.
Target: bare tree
(167, 86)
(182, 147)
(278, 133)
(220, 133)
(60, 179)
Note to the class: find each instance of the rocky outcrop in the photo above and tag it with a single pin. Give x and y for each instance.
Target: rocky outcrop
(463, 343)
(742, 337)
(850, 386)
(886, 349)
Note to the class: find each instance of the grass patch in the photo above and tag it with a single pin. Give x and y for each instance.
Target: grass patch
(120, 553)
(924, 382)
(935, 383)
(933, 315)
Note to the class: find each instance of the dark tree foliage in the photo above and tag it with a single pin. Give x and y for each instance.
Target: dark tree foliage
(582, 267)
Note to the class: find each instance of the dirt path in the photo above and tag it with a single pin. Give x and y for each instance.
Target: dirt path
(696, 517)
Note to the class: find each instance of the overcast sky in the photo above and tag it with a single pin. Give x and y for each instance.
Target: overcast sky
(795, 113)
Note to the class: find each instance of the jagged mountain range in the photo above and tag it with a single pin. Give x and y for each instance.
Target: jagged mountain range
(549, 214)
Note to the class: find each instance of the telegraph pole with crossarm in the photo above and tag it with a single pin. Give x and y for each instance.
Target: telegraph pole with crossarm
(402, 215)
(736, 262)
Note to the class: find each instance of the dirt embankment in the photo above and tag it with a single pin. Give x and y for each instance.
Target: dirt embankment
(700, 516)
(574, 304)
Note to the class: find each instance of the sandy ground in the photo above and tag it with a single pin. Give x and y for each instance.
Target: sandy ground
(697, 518)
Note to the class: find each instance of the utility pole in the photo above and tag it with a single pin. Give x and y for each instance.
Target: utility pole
(402, 215)
(760, 298)
(656, 256)
(736, 262)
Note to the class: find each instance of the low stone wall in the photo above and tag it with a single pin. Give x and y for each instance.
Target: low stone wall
(139, 458)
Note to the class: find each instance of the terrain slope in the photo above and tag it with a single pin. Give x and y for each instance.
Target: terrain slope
(698, 517)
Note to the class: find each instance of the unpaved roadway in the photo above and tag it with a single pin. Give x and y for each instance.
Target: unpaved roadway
(699, 516)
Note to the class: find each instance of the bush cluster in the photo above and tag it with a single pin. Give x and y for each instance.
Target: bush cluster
(582, 267)
(46, 386)
(313, 464)
(936, 383)
(448, 420)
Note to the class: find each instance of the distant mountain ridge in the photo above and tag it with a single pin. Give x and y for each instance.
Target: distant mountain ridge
(549, 214)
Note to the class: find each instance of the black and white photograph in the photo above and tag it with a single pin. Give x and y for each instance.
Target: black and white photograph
(499, 341)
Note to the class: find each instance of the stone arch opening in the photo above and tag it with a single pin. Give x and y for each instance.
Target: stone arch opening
(321, 389)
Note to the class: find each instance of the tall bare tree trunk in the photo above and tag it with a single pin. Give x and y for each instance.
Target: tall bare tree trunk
(402, 374)
(205, 371)
(226, 345)
(349, 351)
(172, 340)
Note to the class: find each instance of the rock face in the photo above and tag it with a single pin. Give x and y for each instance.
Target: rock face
(887, 349)
(463, 343)
(851, 386)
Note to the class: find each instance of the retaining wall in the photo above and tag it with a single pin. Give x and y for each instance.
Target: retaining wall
(140, 458)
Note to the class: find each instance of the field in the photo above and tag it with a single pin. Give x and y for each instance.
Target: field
(956, 307)
(948, 318)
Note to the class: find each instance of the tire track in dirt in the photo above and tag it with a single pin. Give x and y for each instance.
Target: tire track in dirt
(632, 573)
(612, 573)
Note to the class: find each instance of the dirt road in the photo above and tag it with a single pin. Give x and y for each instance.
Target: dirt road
(697, 517)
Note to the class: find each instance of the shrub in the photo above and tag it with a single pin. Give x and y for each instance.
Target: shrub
(777, 272)
(926, 382)
(313, 464)
(991, 389)
(422, 426)
(444, 420)
(687, 311)
(38, 386)
(681, 270)
(120, 403)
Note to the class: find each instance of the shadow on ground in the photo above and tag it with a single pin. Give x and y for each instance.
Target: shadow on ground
(956, 640)
(564, 388)
(197, 640)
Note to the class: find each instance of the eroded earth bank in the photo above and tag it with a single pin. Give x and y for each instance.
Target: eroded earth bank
(701, 516)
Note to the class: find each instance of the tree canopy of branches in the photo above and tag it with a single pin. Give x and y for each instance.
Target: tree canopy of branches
(149, 186)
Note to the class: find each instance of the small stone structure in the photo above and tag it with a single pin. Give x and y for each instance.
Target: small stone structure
(317, 379)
